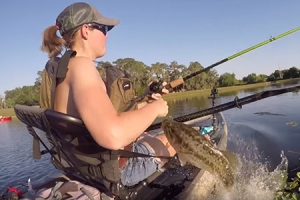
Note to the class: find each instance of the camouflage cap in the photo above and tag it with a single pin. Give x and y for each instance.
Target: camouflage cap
(81, 13)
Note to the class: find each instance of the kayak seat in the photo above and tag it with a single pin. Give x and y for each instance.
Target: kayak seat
(74, 151)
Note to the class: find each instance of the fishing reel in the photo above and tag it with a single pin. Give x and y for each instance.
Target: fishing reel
(154, 87)
(157, 86)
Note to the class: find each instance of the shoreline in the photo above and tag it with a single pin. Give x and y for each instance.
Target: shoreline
(187, 94)
(193, 93)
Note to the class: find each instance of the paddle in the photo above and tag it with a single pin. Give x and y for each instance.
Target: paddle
(226, 106)
(156, 87)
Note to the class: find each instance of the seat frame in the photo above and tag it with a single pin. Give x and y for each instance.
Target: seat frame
(47, 121)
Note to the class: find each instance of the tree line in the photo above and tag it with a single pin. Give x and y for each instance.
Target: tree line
(142, 75)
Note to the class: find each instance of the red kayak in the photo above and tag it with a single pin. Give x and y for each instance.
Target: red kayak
(5, 119)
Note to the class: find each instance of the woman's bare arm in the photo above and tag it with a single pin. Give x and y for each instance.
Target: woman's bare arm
(109, 129)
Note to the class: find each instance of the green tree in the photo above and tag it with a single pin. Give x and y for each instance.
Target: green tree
(142, 75)
(100, 68)
(1, 101)
(251, 78)
(227, 79)
(197, 82)
(138, 70)
(277, 74)
(271, 78)
(293, 72)
(285, 74)
(261, 78)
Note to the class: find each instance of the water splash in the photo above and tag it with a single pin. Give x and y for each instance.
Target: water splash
(254, 179)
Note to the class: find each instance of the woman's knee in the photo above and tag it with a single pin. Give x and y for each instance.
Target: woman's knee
(159, 144)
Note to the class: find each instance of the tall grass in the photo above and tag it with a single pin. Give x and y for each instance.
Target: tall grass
(7, 112)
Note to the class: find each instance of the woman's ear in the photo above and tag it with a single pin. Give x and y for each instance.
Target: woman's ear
(84, 31)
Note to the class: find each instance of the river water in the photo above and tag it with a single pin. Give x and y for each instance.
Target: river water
(258, 131)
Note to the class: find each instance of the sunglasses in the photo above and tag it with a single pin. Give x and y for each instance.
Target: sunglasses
(100, 27)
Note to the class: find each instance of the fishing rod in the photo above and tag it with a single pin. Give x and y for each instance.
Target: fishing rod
(156, 87)
(232, 104)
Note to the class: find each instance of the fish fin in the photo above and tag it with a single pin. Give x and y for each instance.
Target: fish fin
(232, 158)
(200, 164)
(206, 168)
(182, 159)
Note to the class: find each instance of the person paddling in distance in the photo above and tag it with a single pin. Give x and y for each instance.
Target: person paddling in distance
(83, 93)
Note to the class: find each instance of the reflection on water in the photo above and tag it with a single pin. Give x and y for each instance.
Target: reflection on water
(229, 93)
(258, 139)
(188, 105)
(16, 163)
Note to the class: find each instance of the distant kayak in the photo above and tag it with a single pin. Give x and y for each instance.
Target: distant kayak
(5, 119)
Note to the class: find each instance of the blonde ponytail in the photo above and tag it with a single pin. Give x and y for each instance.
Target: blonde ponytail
(52, 44)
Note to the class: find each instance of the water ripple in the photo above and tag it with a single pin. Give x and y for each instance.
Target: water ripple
(17, 164)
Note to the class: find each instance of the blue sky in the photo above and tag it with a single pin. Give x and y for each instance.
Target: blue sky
(162, 31)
